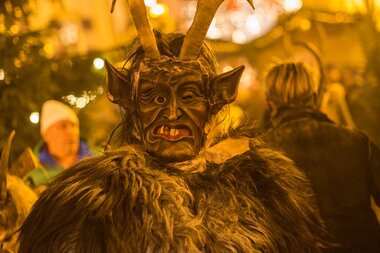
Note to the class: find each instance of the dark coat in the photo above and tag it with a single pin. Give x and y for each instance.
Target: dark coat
(343, 166)
(124, 201)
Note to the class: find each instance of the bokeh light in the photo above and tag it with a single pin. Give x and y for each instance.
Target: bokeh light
(98, 63)
(2, 74)
(150, 3)
(34, 117)
(157, 10)
(292, 5)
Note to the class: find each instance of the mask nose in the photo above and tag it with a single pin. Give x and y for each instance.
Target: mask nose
(174, 111)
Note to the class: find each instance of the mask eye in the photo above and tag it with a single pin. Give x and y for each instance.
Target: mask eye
(187, 97)
(159, 100)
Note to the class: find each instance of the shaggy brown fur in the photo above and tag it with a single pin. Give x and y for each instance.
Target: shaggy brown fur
(124, 201)
(20, 199)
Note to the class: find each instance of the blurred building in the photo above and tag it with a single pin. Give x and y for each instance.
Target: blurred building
(83, 25)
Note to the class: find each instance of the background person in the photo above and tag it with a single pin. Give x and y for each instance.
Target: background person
(61, 146)
(343, 164)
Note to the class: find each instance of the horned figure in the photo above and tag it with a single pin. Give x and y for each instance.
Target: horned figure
(16, 199)
(161, 190)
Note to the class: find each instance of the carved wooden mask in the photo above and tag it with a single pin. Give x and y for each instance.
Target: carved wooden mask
(173, 96)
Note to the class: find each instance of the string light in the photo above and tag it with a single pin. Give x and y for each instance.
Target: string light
(81, 102)
(71, 98)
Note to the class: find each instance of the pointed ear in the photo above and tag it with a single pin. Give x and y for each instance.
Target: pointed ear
(119, 88)
(223, 89)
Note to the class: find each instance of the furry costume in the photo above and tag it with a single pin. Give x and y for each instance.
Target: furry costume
(124, 201)
(15, 202)
(158, 193)
(18, 204)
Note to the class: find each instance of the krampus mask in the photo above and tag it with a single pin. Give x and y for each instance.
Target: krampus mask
(171, 89)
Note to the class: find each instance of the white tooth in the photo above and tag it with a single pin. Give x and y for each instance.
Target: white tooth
(172, 131)
(162, 130)
(176, 132)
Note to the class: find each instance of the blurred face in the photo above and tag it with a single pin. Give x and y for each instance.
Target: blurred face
(62, 139)
(173, 110)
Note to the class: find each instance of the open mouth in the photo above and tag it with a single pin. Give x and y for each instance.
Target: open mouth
(172, 133)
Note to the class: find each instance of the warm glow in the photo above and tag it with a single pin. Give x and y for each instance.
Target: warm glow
(98, 63)
(157, 10)
(292, 5)
(2, 74)
(17, 63)
(214, 32)
(239, 37)
(150, 3)
(18, 12)
(236, 18)
(69, 34)
(34, 117)
(305, 24)
(14, 29)
(253, 25)
(72, 99)
(227, 68)
(81, 102)
(246, 79)
(358, 6)
(339, 18)
(236, 21)
(48, 48)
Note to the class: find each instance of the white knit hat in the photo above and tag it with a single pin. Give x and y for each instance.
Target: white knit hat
(54, 111)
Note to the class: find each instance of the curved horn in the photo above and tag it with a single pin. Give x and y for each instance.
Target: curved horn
(196, 34)
(113, 5)
(145, 32)
(4, 167)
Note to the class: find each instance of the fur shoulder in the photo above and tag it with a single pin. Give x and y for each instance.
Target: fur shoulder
(123, 202)
(113, 203)
(273, 199)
